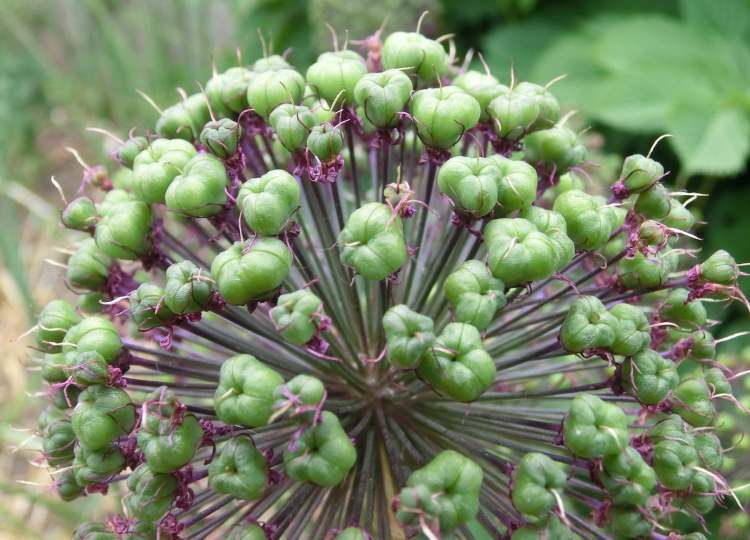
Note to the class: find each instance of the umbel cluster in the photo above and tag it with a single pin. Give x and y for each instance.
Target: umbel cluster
(382, 298)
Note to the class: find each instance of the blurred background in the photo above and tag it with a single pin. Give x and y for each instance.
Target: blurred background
(635, 69)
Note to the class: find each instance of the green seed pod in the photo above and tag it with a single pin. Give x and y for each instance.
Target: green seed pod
(627, 478)
(470, 184)
(128, 150)
(336, 73)
(292, 124)
(652, 233)
(239, 470)
(642, 272)
(227, 92)
(673, 461)
(710, 451)
(151, 495)
(112, 199)
(301, 392)
(654, 202)
(245, 393)
(640, 173)
(516, 186)
(519, 253)
(649, 377)
(442, 115)
(588, 226)
(66, 397)
(53, 367)
(185, 119)
(188, 288)
(268, 202)
(671, 427)
(446, 490)
(168, 438)
(221, 137)
(372, 242)
(588, 325)
(632, 330)
(122, 178)
(58, 440)
(594, 428)
(409, 336)
(273, 62)
(67, 487)
(296, 315)
(53, 323)
(382, 96)
(693, 402)
(481, 86)
(200, 191)
(720, 268)
(102, 414)
(717, 382)
(628, 522)
(94, 334)
(80, 214)
(90, 303)
(554, 226)
(679, 217)
(93, 531)
(701, 494)
(97, 466)
(703, 346)
(49, 416)
(87, 368)
(269, 89)
(352, 533)
(536, 477)
(547, 104)
(248, 532)
(556, 148)
(147, 307)
(525, 108)
(252, 275)
(323, 455)
(325, 142)
(414, 54)
(123, 233)
(458, 366)
(88, 267)
(554, 530)
(157, 166)
(687, 315)
(474, 294)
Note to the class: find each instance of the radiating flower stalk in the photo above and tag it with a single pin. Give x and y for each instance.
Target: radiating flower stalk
(382, 299)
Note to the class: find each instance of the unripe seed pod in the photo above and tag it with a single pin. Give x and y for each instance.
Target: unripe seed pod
(102, 414)
(442, 115)
(292, 124)
(324, 453)
(296, 316)
(594, 428)
(677, 309)
(700, 496)
(123, 232)
(53, 323)
(588, 226)
(67, 487)
(79, 214)
(557, 147)
(58, 440)
(65, 397)
(632, 330)
(112, 199)
(474, 294)
(471, 184)
(268, 202)
(588, 325)
(717, 381)
(97, 466)
(336, 73)
(525, 108)
(185, 119)
(53, 367)
(95, 333)
(639, 173)
(693, 402)
(382, 96)
(188, 288)
(151, 495)
(221, 137)
(302, 391)
(446, 491)
(168, 436)
(239, 470)
(147, 307)
(245, 393)
(643, 272)
(325, 142)
(628, 522)
(414, 54)
(679, 217)
(653, 203)
(272, 62)
(269, 89)
(128, 150)
(652, 233)
(628, 478)
(200, 191)
(87, 368)
(535, 478)
(227, 92)
(702, 346)
(88, 267)
(516, 187)
(649, 377)
(372, 242)
(409, 336)
(481, 86)
(458, 365)
(90, 303)
(673, 457)
(554, 226)
(252, 270)
(710, 451)
(156, 167)
(720, 268)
